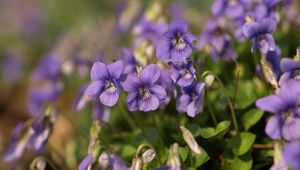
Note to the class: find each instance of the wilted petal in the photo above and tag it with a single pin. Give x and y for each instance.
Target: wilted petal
(116, 69)
(150, 74)
(273, 127)
(99, 71)
(94, 89)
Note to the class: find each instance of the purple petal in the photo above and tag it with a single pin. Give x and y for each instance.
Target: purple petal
(290, 129)
(287, 64)
(175, 76)
(116, 163)
(271, 104)
(159, 92)
(267, 25)
(199, 88)
(99, 71)
(181, 55)
(132, 101)
(116, 69)
(183, 81)
(86, 162)
(94, 89)
(291, 154)
(179, 25)
(148, 104)
(285, 77)
(150, 74)
(234, 11)
(218, 7)
(182, 103)
(132, 83)
(193, 109)
(273, 127)
(189, 38)
(163, 50)
(250, 29)
(109, 98)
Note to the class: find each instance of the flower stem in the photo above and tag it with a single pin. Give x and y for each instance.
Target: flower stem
(213, 116)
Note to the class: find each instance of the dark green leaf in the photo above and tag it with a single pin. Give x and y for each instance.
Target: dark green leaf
(241, 143)
(219, 131)
(251, 117)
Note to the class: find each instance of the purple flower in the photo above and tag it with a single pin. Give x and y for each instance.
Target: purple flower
(12, 68)
(48, 68)
(273, 57)
(285, 106)
(143, 92)
(106, 82)
(291, 154)
(260, 34)
(167, 83)
(116, 163)
(176, 44)
(38, 96)
(129, 60)
(184, 73)
(290, 69)
(86, 162)
(231, 9)
(191, 100)
(42, 128)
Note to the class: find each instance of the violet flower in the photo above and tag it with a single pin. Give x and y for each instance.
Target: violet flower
(176, 44)
(48, 68)
(291, 154)
(290, 69)
(232, 9)
(116, 163)
(143, 92)
(260, 34)
(130, 62)
(191, 100)
(106, 82)
(285, 106)
(87, 162)
(184, 73)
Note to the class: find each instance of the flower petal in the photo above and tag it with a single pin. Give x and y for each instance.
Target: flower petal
(109, 98)
(159, 92)
(94, 89)
(150, 74)
(273, 127)
(116, 69)
(99, 71)
(287, 64)
(163, 50)
(131, 101)
(183, 102)
(86, 162)
(267, 25)
(290, 129)
(250, 29)
(181, 55)
(132, 83)
(271, 104)
(148, 104)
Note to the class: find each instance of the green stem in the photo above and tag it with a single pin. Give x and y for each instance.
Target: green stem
(213, 116)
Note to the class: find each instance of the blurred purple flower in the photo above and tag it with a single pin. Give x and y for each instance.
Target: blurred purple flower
(143, 92)
(290, 69)
(167, 83)
(191, 100)
(106, 82)
(183, 74)
(291, 154)
(176, 44)
(129, 60)
(12, 68)
(273, 57)
(116, 163)
(231, 9)
(260, 34)
(285, 106)
(87, 162)
(48, 68)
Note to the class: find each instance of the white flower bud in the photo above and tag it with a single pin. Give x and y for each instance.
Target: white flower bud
(148, 156)
(190, 140)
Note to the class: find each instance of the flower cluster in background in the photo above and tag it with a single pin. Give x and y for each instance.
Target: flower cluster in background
(161, 85)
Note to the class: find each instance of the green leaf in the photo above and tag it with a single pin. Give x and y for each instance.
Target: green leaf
(241, 143)
(184, 152)
(251, 117)
(199, 159)
(219, 131)
(243, 162)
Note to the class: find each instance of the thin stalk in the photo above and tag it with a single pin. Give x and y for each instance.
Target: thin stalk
(236, 83)
(213, 116)
(157, 129)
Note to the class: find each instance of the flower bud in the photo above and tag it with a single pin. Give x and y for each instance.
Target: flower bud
(190, 140)
(137, 163)
(173, 159)
(104, 160)
(209, 79)
(148, 156)
(268, 73)
(39, 163)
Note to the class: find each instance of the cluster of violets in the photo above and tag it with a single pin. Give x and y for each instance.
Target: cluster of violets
(166, 70)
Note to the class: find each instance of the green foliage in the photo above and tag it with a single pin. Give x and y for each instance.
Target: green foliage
(251, 117)
(217, 132)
